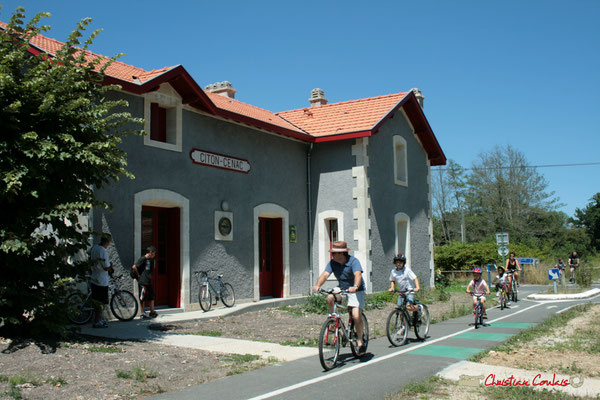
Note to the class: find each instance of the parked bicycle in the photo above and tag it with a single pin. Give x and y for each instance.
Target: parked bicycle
(334, 333)
(513, 295)
(400, 321)
(123, 305)
(478, 311)
(210, 286)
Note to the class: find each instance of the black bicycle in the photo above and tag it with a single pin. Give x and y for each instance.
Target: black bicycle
(334, 333)
(401, 320)
(478, 311)
(220, 289)
(513, 295)
(123, 305)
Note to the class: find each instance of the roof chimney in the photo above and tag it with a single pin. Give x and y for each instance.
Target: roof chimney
(418, 95)
(223, 88)
(317, 98)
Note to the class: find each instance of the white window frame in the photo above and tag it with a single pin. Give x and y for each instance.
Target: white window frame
(400, 161)
(323, 232)
(402, 235)
(167, 98)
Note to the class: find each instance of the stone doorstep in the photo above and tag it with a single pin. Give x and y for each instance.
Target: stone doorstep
(473, 374)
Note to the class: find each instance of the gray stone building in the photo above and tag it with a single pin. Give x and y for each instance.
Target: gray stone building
(259, 196)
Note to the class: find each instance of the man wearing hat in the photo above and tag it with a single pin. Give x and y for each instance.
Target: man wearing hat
(348, 272)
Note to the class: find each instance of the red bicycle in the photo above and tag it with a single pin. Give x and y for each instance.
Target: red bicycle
(334, 333)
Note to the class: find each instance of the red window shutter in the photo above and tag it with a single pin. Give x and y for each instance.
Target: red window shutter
(158, 123)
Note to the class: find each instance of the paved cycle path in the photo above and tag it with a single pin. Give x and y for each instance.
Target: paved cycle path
(384, 369)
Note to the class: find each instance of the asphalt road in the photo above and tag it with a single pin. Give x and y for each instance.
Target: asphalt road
(384, 369)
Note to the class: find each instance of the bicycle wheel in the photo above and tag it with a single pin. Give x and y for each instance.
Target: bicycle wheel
(123, 305)
(422, 325)
(227, 295)
(80, 309)
(513, 290)
(365, 335)
(205, 298)
(397, 328)
(477, 314)
(329, 344)
(501, 300)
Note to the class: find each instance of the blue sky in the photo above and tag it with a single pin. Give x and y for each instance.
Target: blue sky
(524, 73)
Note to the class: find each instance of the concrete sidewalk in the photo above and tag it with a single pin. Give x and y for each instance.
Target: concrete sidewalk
(570, 296)
(139, 329)
(475, 374)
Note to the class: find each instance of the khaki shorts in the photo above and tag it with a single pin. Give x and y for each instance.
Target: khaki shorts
(356, 299)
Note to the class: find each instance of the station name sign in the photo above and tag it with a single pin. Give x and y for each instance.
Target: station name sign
(221, 161)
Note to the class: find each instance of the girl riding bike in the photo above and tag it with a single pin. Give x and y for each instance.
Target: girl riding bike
(478, 287)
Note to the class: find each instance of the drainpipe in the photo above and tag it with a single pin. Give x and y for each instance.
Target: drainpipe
(309, 212)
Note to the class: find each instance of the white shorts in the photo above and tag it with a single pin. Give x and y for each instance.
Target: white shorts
(481, 297)
(356, 299)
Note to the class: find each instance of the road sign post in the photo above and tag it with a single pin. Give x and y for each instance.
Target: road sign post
(554, 275)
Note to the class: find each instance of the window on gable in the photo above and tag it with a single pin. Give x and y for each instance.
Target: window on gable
(163, 126)
(400, 161)
(158, 123)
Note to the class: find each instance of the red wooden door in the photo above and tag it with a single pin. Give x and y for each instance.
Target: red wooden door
(270, 257)
(160, 228)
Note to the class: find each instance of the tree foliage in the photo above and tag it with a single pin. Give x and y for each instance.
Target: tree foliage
(589, 220)
(59, 142)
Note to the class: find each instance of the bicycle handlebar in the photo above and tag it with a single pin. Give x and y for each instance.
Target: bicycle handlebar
(332, 291)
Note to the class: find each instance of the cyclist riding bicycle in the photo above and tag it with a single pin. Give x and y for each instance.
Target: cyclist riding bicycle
(501, 280)
(348, 272)
(406, 280)
(560, 264)
(513, 266)
(478, 287)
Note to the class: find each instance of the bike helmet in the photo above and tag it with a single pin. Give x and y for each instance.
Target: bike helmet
(477, 270)
(399, 257)
(501, 268)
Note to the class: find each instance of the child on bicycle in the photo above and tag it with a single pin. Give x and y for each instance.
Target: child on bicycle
(501, 279)
(477, 287)
(406, 280)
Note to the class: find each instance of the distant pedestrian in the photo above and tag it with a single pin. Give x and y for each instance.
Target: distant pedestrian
(144, 267)
(573, 264)
(99, 279)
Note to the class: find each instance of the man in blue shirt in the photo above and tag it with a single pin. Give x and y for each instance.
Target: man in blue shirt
(348, 272)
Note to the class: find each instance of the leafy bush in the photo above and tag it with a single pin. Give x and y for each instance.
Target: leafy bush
(457, 256)
(583, 275)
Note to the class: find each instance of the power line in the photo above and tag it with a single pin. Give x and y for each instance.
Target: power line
(522, 166)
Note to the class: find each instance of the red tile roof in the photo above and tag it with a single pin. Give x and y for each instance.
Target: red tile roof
(248, 110)
(117, 69)
(345, 117)
(336, 121)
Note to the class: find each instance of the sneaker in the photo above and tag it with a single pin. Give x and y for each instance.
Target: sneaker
(153, 315)
(145, 316)
(362, 349)
(100, 324)
(484, 316)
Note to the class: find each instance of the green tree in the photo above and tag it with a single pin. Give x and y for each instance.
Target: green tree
(59, 142)
(505, 195)
(589, 220)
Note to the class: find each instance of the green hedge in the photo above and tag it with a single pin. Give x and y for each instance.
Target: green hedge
(457, 256)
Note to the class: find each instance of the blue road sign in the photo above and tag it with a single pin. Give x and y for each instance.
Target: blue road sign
(525, 260)
(553, 274)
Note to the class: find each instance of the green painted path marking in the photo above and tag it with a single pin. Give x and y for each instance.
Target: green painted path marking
(493, 336)
(517, 325)
(446, 351)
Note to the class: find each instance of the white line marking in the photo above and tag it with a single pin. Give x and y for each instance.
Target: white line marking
(549, 307)
(376, 360)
